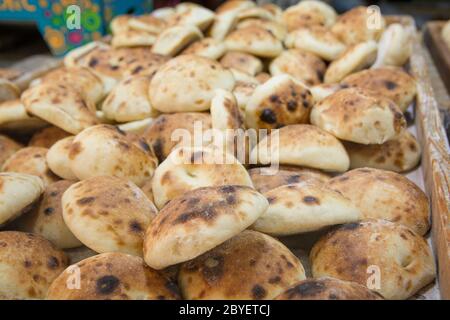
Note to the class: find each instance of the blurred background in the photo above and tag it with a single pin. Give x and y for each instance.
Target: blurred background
(29, 27)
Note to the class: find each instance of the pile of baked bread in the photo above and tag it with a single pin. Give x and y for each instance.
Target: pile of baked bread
(102, 175)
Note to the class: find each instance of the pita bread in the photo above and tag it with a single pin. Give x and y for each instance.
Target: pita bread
(137, 127)
(174, 39)
(163, 13)
(264, 180)
(302, 145)
(225, 113)
(14, 117)
(148, 23)
(206, 47)
(17, 192)
(106, 150)
(120, 24)
(113, 276)
(399, 154)
(243, 62)
(400, 255)
(280, 101)
(234, 5)
(46, 218)
(254, 40)
(304, 207)
(327, 288)
(301, 65)
(381, 194)
(223, 24)
(188, 73)
(58, 158)
(309, 13)
(192, 15)
(47, 137)
(360, 24)
(31, 160)
(359, 116)
(133, 38)
(255, 13)
(129, 101)
(389, 82)
(198, 221)
(161, 134)
(61, 105)
(355, 58)
(38, 259)
(243, 91)
(276, 28)
(317, 40)
(108, 214)
(265, 267)
(321, 91)
(188, 168)
(395, 46)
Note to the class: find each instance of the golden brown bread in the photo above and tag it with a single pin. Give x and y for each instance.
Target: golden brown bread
(250, 266)
(381, 194)
(58, 159)
(46, 218)
(159, 133)
(359, 115)
(31, 160)
(242, 61)
(29, 264)
(328, 289)
(389, 82)
(7, 148)
(112, 276)
(47, 137)
(389, 258)
(108, 214)
(198, 221)
(264, 181)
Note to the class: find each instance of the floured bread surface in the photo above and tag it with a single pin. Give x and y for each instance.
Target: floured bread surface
(17, 192)
(108, 214)
(327, 288)
(301, 65)
(355, 58)
(61, 105)
(107, 150)
(191, 74)
(317, 40)
(113, 276)
(303, 207)
(47, 220)
(309, 13)
(47, 137)
(381, 194)
(188, 168)
(264, 179)
(402, 258)
(359, 116)
(29, 263)
(31, 160)
(358, 25)
(395, 46)
(249, 266)
(400, 154)
(58, 159)
(207, 47)
(254, 40)
(302, 145)
(129, 101)
(198, 221)
(162, 136)
(390, 82)
(242, 62)
(280, 101)
(174, 39)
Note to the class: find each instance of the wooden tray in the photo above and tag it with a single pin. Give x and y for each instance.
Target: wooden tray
(438, 49)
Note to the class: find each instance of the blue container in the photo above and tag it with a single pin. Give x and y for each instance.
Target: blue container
(66, 24)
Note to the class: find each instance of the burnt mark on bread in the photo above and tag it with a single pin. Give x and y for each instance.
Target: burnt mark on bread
(310, 200)
(307, 288)
(268, 116)
(258, 292)
(52, 263)
(106, 284)
(213, 268)
(85, 200)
